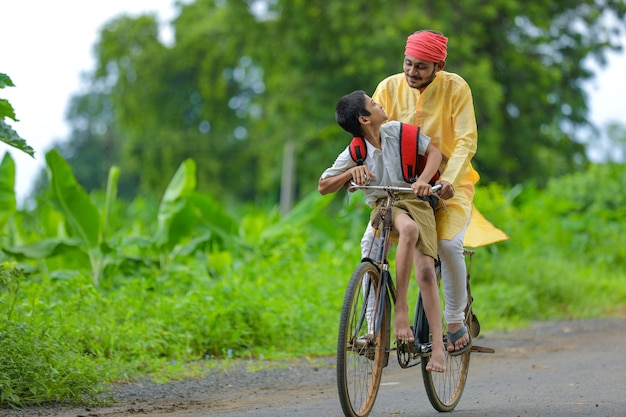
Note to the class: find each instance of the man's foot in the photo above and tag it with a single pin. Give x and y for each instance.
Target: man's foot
(401, 327)
(459, 340)
(437, 361)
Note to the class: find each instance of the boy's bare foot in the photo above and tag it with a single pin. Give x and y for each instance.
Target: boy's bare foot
(462, 341)
(401, 327)
(437, 361)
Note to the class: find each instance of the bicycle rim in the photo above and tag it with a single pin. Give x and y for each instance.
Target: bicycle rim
(444, 389)
(360, 364)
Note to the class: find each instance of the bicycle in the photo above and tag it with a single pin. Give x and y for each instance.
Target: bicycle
(363, 345)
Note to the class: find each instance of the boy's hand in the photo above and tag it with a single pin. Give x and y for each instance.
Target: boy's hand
(361, 175)
(421, 188)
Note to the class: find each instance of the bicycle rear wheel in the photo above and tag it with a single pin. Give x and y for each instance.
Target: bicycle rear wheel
(444, 389)
(362, 351)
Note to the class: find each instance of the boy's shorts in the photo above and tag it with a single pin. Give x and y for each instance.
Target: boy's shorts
(422, 213)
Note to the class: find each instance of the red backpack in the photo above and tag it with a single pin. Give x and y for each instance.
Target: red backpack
(412, 162)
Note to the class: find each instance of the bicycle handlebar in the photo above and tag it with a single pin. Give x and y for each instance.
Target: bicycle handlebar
(354, 186)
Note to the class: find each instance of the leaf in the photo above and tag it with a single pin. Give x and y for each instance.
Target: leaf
(5, 81)
(111, 194)
(194, 244)
(214, 216)
(307, 210)
(182, 225)
(72, 201)
(174, 200)
(7, 134)
(11, 138)
(7, 189)
(6, 110)
(44, 248)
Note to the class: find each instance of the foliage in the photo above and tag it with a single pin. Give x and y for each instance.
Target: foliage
(94, 144)
(566, 249)
(188, 280)
(7, 134)
(43, 368)
(107, 284)
(615, 148)
(36, 365)
(234, 97)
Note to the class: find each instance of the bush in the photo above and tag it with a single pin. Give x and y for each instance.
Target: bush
(35, 367)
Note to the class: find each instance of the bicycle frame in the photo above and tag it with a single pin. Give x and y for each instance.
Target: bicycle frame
(385, 227)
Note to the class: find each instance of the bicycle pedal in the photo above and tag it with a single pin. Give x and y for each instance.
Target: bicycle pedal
(424, 349)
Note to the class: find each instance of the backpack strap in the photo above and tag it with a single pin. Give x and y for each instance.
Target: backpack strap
(412, 162)
(358, 150)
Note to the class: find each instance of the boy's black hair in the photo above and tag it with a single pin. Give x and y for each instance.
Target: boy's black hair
(349, 109)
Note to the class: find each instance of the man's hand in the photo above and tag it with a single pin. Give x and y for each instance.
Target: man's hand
(447, 190)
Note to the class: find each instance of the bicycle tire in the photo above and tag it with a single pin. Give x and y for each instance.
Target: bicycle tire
(360, 365)
(444, 389)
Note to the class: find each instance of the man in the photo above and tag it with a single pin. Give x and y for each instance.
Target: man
(441, 104)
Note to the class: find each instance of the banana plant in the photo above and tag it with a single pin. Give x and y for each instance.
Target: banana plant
(79, 212)
(185, 222)
(86, 228)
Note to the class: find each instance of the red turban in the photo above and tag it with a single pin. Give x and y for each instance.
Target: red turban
(427, 46)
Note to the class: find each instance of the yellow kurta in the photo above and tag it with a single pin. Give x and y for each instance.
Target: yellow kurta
(445, 112)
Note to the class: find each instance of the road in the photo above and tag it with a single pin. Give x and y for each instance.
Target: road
(556, 369)
(553, 369)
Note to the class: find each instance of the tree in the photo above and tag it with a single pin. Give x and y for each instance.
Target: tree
(95, 143)
(232, 96)
(523, 61)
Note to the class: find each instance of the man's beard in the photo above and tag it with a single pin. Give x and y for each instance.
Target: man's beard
(420, 83)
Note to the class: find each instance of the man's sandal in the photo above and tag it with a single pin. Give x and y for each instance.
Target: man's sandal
(453, 337)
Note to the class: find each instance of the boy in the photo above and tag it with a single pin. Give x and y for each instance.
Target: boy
(412, 218)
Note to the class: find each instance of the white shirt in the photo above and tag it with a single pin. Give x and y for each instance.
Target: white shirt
(385, 162)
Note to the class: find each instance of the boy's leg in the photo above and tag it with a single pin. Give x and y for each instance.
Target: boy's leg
(453, 272)
(427, 281)
(409, 233)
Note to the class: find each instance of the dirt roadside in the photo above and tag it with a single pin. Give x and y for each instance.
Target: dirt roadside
(313, 381)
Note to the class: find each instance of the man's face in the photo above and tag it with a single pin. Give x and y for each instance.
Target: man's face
(419, 73)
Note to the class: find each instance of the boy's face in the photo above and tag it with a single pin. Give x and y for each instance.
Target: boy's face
(377, 114)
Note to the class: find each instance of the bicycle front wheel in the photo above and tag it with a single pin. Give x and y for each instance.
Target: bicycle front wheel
(363, 342)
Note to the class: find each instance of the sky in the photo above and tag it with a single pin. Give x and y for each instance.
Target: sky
(47, 45)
